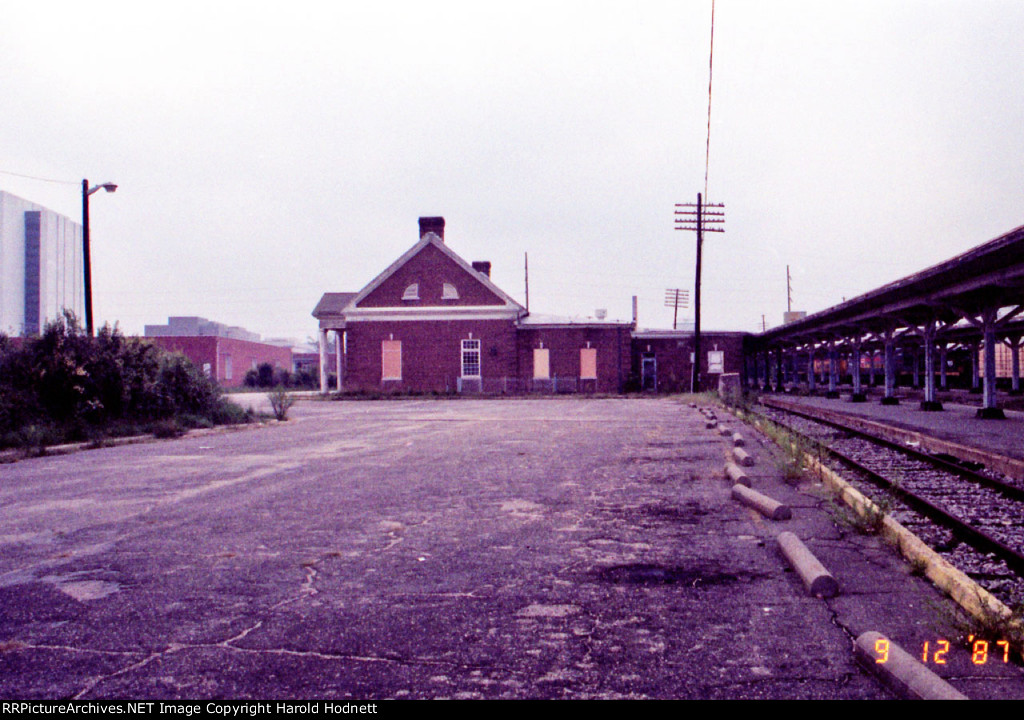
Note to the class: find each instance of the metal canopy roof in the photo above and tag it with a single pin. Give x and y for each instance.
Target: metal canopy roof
(990, 275)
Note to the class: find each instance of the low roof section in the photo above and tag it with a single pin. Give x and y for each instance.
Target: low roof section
(330, 311)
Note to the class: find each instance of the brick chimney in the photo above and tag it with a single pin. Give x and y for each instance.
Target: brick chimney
(432, 224)
(482, 266)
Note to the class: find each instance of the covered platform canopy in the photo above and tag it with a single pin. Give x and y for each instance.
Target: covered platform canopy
(974, 299)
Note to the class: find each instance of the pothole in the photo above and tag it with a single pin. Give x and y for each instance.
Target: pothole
(650, 574)
(689, 513)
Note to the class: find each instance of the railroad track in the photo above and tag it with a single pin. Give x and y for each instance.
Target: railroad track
(973, 517)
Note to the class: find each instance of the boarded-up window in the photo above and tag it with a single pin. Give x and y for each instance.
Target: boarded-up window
(588, 364)
(391, 360)
(541, 364)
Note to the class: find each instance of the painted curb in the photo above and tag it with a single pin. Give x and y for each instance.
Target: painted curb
(19, 454)
(818, 581)
(738, 440)
(770, 508)
(900, 671)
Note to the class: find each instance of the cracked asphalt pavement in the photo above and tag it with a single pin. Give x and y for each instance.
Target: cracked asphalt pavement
(527, 548)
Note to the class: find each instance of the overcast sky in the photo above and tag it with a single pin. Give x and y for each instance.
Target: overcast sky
(267, 153)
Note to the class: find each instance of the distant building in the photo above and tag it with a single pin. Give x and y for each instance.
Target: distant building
(41, 272)
(224, 353)
(199, 327)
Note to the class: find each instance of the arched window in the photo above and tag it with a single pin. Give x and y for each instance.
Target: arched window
(412, 292)
(448, 292)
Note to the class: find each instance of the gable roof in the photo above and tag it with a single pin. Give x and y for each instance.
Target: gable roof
(433, 239)
(345, 306)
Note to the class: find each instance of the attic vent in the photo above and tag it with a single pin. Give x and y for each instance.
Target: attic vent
(449, 292)
(412, 292)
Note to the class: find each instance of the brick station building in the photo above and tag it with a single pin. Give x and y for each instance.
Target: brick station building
(432, 322)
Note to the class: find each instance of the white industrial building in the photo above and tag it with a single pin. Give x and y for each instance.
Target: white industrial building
(41, 271)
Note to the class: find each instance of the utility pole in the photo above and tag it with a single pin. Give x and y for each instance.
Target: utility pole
(526, 270)
(700, 218)
(789, 292)
(673, 299)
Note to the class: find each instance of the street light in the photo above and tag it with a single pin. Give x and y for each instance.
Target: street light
(86, 192)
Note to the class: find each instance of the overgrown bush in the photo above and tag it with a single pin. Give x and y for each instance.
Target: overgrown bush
(167, 429)
(229, 413)
(265, 376)
(66, 386)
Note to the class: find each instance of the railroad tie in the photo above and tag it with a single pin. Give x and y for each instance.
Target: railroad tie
(818, 581)
(742, 457)
(900, 670)
(769, 507)
(737, 474)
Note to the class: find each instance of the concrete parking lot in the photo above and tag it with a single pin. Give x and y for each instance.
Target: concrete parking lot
(551, 548)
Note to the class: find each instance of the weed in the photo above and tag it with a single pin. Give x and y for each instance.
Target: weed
(991, 622)
(791, 470)
(795, 450)
(918, 567)
(280, 402)
(868, 519)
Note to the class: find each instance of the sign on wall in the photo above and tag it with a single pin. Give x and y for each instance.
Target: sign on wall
(716, 361)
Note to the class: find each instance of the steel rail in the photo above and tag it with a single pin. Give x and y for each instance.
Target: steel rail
(960, 528)
(1008, 489)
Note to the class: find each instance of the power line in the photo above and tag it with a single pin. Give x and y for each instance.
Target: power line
(41, 179)
(711, 65)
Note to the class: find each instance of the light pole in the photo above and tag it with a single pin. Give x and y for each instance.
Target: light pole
(86, 192)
